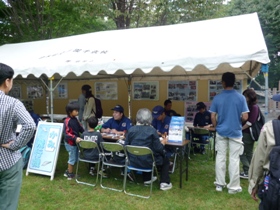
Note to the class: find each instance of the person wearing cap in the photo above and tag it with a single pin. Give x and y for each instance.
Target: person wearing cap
(202, 119)
(160, 120)
(118, 124)
(167, 109)
(161, 123)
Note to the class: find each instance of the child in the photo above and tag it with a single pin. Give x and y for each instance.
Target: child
(72, 130)
(92, 135)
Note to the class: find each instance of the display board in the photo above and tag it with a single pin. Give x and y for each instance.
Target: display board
(45, 149)
(145, 90)
(182, 90)
(176, 132)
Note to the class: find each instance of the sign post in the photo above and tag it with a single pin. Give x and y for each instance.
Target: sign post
(45, 149)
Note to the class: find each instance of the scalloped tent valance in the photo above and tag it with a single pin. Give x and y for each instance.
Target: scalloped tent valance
(197, 50)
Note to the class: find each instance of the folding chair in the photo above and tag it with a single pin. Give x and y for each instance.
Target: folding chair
(208, 144)
(87, 145)
(139, 151)
(111, 147)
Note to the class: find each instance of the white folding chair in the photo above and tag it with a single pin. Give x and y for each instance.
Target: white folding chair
(139, 151)
(82, 146)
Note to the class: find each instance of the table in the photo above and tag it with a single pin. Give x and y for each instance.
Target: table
(111, 137)
(181, 154)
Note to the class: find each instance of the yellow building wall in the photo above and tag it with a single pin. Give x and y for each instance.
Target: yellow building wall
(74, 90)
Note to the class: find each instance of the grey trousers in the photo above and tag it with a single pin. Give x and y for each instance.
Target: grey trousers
(247, 155)
(10, 184)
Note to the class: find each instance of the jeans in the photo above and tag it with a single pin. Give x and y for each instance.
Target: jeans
(247, 155)
(10, 184)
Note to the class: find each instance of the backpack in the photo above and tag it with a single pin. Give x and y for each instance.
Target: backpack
(25, 153)
(271, 197)
(98, 108)
(256, 127)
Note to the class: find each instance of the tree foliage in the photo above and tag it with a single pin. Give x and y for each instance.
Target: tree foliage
(29, 20)
(269, 15)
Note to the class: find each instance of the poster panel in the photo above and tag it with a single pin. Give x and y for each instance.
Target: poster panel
(106, 90)
(145, 90)
(182, 90)
(45, 149)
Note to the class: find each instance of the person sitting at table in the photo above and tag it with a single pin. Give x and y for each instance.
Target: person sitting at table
(143, 134)
(160, 121)
(92, 154)
(202, 119)
(119, 125)
(167, 109)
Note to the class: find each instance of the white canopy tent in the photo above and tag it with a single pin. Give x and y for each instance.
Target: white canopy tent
(203, 49)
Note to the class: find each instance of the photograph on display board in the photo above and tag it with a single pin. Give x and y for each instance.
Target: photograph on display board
(215, 87)
(15, 91)
(182, 90)
(190, 109)
(145, 90)
(106, 90)
(61, 91)
(35, 91)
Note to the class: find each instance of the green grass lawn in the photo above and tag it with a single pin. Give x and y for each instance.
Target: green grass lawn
(38, 192)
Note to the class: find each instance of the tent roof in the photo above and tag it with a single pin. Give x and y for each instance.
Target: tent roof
(191, 49)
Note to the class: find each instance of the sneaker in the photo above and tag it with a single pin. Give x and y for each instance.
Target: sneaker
(92, 171)
(103, 174)
(244, 175)
(70, 176)
(219, 188)
(150, 181)
(165, 186)
(235, 191)
(66, 173)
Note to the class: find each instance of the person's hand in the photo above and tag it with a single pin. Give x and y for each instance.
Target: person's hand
(207, 126)
(164, 140)
(114, 131)
(254, 193)
(78, 140)
(7, 145)
(107, 130)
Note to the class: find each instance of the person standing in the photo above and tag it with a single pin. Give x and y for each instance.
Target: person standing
(12, 112)
(228, 110)
(72, 130)
(90, 108)
(82, 102)
(245, 158)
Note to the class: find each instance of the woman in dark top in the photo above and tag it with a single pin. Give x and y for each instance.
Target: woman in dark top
(246, 157)
(143, 134)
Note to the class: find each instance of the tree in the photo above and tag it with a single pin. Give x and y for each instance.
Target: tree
(28, 20)
(269, 15)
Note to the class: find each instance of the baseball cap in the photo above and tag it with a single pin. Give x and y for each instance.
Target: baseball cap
(118, 108)
(276, 97)
(200, 105)
(157, 111)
